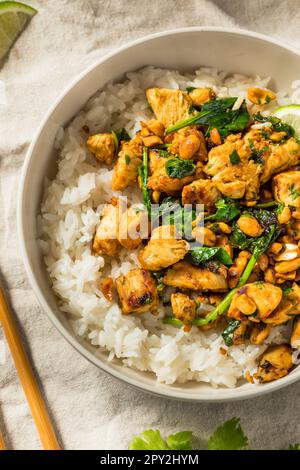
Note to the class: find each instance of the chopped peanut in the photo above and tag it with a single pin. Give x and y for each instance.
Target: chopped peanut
(202, 95)
(215, 136)
(189, 146)
(204, 235)
(287, 266)
(250, 226)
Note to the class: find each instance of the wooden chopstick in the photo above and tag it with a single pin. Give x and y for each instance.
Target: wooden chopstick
(33, 394)
(2, 443)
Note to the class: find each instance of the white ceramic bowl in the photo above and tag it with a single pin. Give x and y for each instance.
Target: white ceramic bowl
(185, 49)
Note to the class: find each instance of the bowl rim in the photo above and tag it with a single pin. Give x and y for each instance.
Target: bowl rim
(233, 394)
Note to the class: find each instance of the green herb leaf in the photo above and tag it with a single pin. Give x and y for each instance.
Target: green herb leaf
(152, 440)
(180, 440)
(277, 124)
(190, 88)
(234, 158)
(228, 332)
(294, 447)
(294, 192)
(229, 436)
(148, 440)
(178, 168)
(227, 210)
(163, 153)
(218, 114)
(201, 254)
(257, 155)
(118, 136)
(143, 174)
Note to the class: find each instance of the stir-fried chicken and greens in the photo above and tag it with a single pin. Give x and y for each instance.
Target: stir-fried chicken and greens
(233, 266)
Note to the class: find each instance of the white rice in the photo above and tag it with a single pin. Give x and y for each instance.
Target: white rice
(70, 212)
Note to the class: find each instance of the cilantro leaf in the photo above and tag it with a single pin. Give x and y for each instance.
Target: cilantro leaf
(234, 158)
(227, 210)
(178, 168)
(229, 436)
(180, 440)
(148, 440)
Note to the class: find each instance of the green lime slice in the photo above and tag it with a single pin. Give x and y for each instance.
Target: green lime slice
(14, 16)
(290, 114)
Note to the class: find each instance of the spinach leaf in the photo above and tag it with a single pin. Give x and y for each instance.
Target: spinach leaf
(202, 254)
(218, 114)
(118, 136)
(227, 210)
(178, 168)
(228, 332)
(277, 124)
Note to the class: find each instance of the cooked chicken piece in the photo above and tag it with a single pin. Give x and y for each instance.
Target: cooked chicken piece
(235, 271)
(265, 296)
(188, 143)
(137, 291)
(259, 333)
(280, 157)
(260, 96)
(200, 96)
(161, 181)
(152, 133)
(201, 192)
(295, 337)
(275, 363)
(260, 158)
(234, 180)
(250, 226)
(152, 127)
(126, 168)
(186, 276)
(102, 146)
(163, 249)
(169, 106)
(183, 307)
(155, 159)
(107, 288)
(105, 241)
(288, 307)
(287, 188)
(133, 228)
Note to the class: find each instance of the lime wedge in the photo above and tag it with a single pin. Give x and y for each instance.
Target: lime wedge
(14, 16)
(290, 114)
